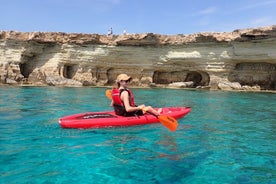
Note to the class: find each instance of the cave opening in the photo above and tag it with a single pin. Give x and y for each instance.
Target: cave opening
(69, 71)
(25, 69)
(199, 78)
(111, 76)
(28, 64)
(160, 77)
(195, 77)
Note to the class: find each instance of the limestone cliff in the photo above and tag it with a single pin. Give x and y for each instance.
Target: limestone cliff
(241, 60)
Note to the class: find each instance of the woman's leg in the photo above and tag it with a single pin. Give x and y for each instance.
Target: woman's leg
(152, 110)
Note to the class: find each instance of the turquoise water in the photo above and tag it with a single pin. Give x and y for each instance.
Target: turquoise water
(228, 137)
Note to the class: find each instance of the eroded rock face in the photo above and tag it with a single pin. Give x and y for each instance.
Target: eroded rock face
(239, 60)
(264, 74)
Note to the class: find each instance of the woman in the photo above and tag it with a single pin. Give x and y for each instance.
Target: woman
(123, 99)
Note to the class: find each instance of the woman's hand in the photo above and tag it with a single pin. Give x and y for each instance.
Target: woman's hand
(141, 107)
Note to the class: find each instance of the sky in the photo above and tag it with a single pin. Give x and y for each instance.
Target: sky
(135, 16)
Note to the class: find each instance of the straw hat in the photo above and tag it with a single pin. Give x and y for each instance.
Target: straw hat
(123, 77)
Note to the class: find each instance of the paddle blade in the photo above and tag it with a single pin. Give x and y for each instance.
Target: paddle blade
(108, 94)
(168, 122)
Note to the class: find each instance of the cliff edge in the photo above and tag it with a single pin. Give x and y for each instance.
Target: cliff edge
(238, 60)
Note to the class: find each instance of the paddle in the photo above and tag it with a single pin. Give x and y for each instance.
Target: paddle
(167, 121)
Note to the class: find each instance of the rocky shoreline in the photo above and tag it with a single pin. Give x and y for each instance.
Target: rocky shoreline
(242, 60)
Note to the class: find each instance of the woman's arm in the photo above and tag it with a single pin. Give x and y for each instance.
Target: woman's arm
(125, 99)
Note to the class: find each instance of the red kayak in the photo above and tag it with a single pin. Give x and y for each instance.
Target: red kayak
(110, 119)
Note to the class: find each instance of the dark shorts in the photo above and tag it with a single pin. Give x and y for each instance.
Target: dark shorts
(134, 113)
(122, 112)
